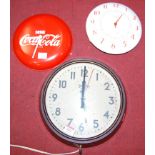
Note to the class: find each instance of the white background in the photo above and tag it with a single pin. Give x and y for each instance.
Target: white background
(5, 77)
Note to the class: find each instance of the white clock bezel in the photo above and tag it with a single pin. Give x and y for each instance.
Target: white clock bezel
(102, 33)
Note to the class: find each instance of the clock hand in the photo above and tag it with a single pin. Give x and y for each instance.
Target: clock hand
(90, 77)
(115, 23)
(83, 88)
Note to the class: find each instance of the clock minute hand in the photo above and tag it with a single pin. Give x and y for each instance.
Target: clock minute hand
(115, 23)
(83, 88)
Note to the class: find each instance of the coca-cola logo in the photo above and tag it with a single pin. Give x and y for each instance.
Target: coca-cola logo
(40, 40)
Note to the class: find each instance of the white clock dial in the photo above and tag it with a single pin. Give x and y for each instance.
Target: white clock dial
(83, 101)
(113, 28)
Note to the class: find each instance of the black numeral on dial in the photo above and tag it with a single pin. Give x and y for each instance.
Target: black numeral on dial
(81, 128)
(62, 83)
(70, 121)
(107, 86)
(54, 96)
(111, 100)
(57, 111)
(82, 72)
(72, 75)
(96, 124)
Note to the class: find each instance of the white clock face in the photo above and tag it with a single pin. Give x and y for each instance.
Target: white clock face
(83, 101)
(113, 28)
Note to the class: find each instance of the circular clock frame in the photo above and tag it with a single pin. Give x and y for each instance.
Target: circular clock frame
(89, 140)
(113, 28)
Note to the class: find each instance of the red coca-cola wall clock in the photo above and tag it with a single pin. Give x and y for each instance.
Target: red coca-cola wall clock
(42, 41)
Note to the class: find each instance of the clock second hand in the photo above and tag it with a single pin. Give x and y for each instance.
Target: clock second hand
(90, 77)
(83, 88)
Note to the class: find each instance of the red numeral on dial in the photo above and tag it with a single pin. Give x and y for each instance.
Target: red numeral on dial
(102, 40)
(92, 21)
(94, 32)
(124, 43)
(105, 6)
(115, 5)
(137, 28)
(134, 17)
(133, 36)
(96, 12)
(113, 46)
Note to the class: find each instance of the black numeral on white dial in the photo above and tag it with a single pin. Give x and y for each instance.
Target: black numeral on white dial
(111, 100)
(96, 124)
(107, 86)
(54, 96)
(72, 75)
(81, 127)
(62, 83)
(58, 111)
(82, 72)
(70, 120)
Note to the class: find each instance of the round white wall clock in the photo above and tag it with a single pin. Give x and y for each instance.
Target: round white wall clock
(113, 28)
(83, 101)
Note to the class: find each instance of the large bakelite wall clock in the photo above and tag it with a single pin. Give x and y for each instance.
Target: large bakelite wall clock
(83, 101)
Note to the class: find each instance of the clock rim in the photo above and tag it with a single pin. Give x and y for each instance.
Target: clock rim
(98, 137)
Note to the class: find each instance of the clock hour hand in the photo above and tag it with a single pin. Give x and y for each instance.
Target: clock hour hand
(83, 88)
